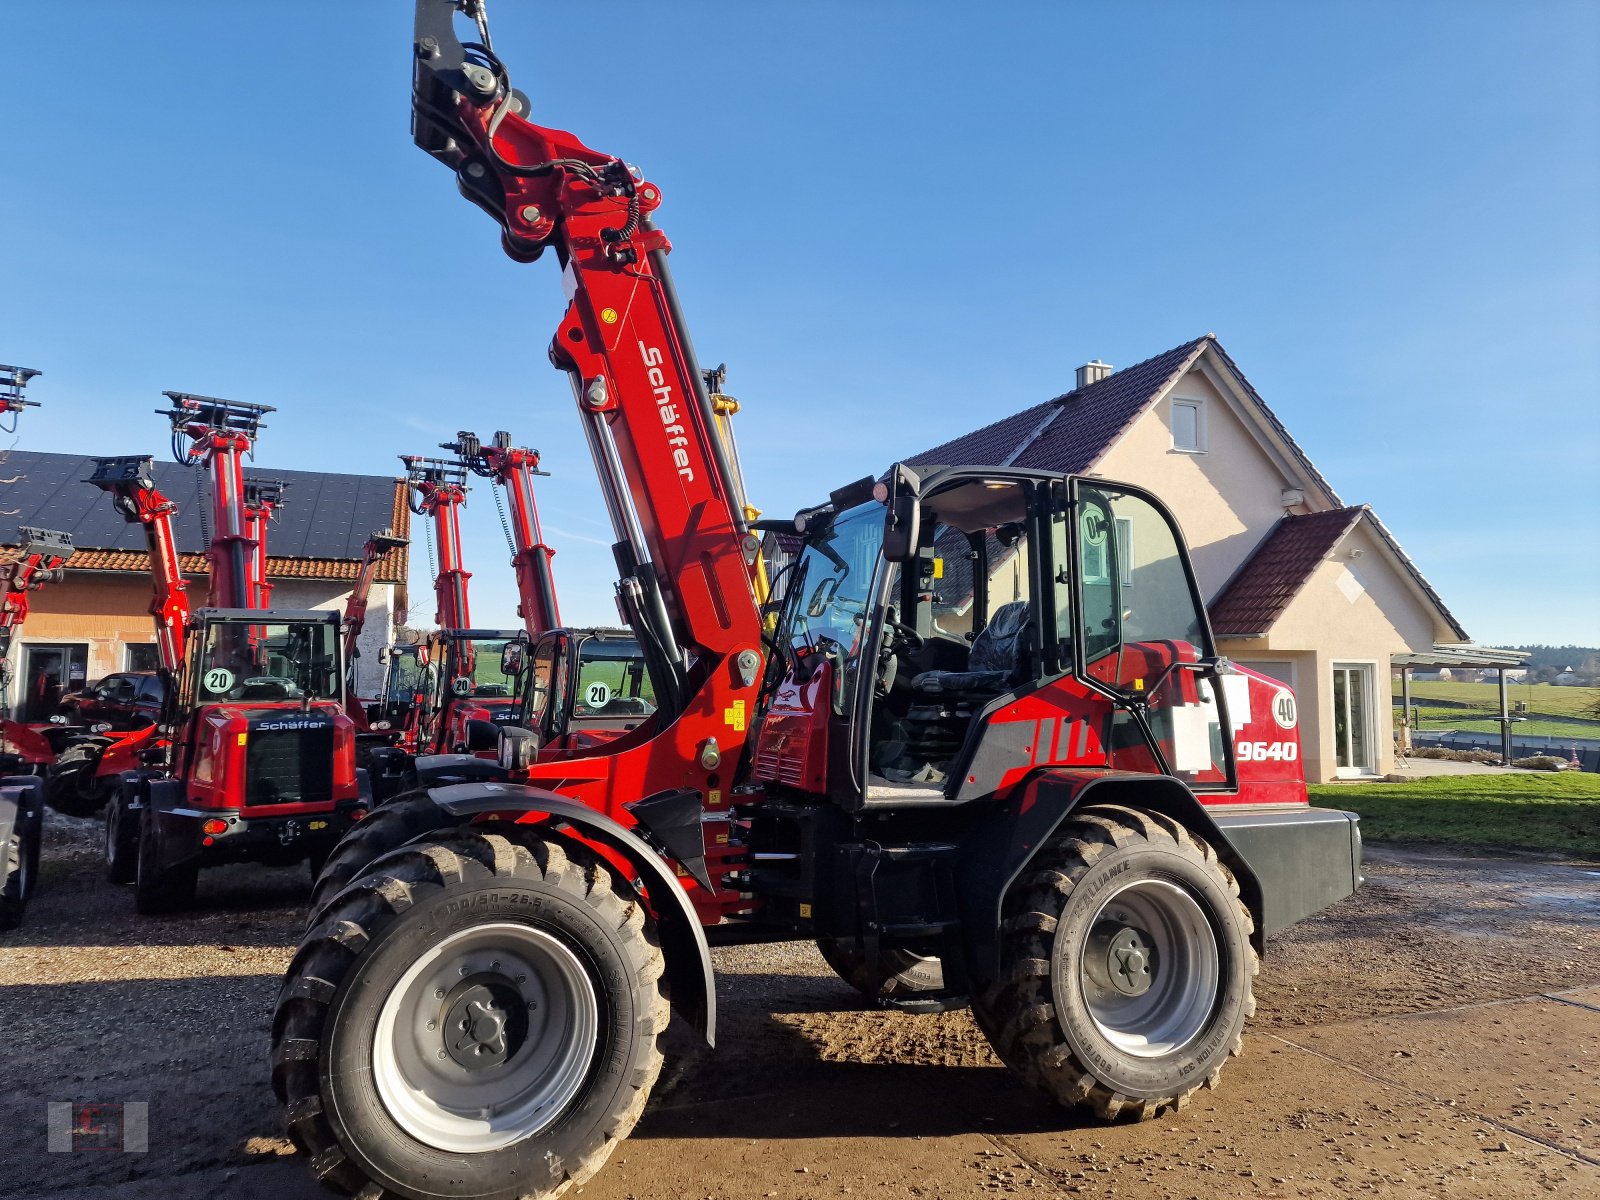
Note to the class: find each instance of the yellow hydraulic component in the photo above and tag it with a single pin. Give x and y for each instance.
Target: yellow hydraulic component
(723, 406)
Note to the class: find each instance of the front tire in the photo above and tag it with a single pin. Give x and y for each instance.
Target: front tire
(122, 839)
(385, 828)
(158, 889)
(20, 862)
(1126, 967)
(477, 1017)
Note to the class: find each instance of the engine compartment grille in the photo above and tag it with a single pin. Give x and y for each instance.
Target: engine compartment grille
(289, 766)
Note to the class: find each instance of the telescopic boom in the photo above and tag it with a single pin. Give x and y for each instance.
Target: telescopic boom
(513, 468)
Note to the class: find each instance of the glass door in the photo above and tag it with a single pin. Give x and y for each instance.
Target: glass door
(48, 673)
(1352, 719)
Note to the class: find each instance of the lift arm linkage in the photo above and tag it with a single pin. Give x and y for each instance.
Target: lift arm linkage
(39, 561)
(220, 433)
(441, 488)
(378, 546)
(262, 500)
(513, 468)
(683, 544)
(133, 492)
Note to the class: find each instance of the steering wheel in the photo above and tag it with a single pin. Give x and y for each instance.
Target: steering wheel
(912, 639)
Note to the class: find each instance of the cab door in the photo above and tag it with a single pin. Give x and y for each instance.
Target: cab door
(1142, 638)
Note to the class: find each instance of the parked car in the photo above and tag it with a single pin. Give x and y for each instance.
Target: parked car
(124, 700)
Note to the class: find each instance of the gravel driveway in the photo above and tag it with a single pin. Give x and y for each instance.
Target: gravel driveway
(1437, 1034)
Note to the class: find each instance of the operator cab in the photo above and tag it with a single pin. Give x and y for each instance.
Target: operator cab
(947, 630)
(587, 686)
(252, 656)
(469, 685)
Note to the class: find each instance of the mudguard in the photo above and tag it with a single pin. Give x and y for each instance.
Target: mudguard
(689, 974)
(1288, 863)
(437, 769)
(32, 745)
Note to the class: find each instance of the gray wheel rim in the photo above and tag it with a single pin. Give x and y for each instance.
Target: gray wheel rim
(486, 1038)
(1150, 969)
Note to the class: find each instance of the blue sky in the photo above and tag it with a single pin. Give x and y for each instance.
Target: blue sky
(894, 221)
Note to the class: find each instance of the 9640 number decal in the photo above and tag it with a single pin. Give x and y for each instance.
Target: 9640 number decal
(1267, 751)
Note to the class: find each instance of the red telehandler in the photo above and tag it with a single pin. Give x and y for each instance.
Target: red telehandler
(587, 684)
(1023, 797)
(578, 686)
(29, 748)
(462, 680)
(257, 758)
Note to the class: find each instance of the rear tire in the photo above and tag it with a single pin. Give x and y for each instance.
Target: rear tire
(383, 1104)
(122, 839)
(158, 889)
(385, 828)
(71, 785)
(894, 974)
(1126, 966)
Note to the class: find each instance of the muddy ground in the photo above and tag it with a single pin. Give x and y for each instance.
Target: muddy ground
(1436, 1035)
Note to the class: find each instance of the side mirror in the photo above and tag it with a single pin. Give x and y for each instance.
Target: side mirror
(153, 756)
(482, 735)
(902, 524)
(513, 658)
(384, 655)
(516, 748)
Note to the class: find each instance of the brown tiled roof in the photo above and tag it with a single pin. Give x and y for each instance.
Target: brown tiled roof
(1268, 581)
(1072, 432)
(1068, 434)
(1270, 578)
(138, 562)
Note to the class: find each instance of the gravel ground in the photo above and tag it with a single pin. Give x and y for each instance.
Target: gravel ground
(100, 1004)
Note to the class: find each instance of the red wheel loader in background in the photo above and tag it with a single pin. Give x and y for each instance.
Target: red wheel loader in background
(1024, 797)
(29, 748)
(256, 761)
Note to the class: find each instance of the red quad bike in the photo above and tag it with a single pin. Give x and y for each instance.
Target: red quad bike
(1023, 797)
(255, 758)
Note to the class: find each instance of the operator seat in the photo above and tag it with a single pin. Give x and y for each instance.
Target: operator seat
(992, 664)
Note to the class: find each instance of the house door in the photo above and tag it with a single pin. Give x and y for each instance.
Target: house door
(48, 673)
(1353, 733)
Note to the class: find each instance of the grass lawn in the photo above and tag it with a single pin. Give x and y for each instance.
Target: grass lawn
(1547, 812)
(1542, 699)
(1467, 721)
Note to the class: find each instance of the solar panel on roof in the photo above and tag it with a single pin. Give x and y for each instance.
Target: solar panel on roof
(324, 515)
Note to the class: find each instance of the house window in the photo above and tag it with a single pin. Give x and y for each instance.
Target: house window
(1189, 426)
(142, 656)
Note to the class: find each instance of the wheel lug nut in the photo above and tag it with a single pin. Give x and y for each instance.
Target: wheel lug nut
(438, 993)
(433, 1025)
(463, 970)
(441, 1054)
(522, 979)
(495, 966)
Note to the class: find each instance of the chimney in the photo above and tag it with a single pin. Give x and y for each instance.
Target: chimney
(1093, 372)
